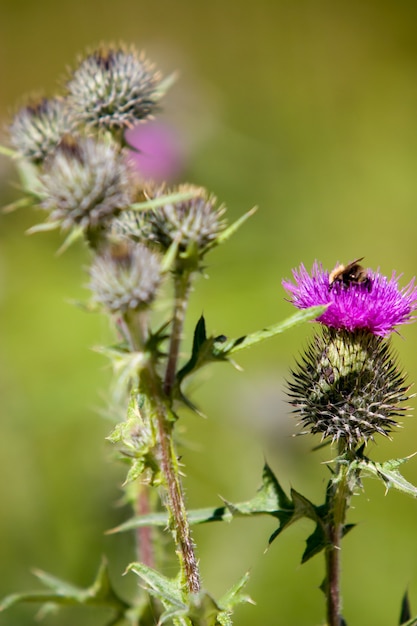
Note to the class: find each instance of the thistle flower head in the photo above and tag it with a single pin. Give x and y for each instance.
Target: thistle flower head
(125, 277)
(193, 224)
(374, 303)
(347, 387)
(113, 88)
(38, 127)
(86, 183)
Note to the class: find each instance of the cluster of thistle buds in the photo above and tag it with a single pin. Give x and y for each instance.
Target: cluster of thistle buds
(347, 386)
(76, 165)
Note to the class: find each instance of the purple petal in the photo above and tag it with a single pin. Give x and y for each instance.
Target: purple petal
(378, 305)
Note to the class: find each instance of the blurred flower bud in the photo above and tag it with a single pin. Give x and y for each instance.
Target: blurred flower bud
(38, 127)
(193, 224)
(113, 88)
(86, 182)
(125, 277)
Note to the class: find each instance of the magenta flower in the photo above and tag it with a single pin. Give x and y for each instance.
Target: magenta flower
(376, 304)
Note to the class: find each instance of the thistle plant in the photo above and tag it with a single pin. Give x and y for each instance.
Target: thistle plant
(148, 243)
(349, 388)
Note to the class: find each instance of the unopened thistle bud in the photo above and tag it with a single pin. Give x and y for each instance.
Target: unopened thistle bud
(38, 127)
(113, 88)
(347, 386)
(194, 224)
(86, 183)
(125, 277)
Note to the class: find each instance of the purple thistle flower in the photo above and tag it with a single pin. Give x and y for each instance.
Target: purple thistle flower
(376, 304)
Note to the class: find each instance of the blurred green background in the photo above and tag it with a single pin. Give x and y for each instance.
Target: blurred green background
(307, 109)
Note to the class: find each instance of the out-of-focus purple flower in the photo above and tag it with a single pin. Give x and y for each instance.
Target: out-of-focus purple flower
(377, 305)
(159, 154)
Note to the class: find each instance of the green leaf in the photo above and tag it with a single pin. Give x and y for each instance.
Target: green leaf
(234, 596)
(187, 609)
(247, 341)
(171, 198)
(75, 234)
(43, 228)
(296, 508)
(29, 179)
(269, 500)
(22, 203)
(165, 84)
(209, 349)
(101, 593)
(9, 152)
(136, 438)
(126, 367)
(388, 473)
(168, 590)
(230, 230)
(315, 543)
(405, 614)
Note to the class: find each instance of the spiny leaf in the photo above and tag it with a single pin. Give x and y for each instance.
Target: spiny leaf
(315, 543)
(101, 593)
(22, 203)
(234, 345)
(269, 500)
(9, 152)
(230, 230)
(76, 234)
(405, 614)
(235, 596)
(388, 473)
(208, 349)
(168, 590)
(44, 227)
(29, 179)
(171, 198)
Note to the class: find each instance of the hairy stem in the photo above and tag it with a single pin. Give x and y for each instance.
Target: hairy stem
(338, 501)
(182, 283)
(151, 386)
(178, 518)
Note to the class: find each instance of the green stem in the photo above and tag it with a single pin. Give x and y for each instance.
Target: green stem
(338, 501)
(182, 283)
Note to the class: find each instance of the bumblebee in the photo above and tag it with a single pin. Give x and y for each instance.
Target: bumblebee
(350, 274)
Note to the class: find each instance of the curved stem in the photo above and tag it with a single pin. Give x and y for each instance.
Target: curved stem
(182, 283)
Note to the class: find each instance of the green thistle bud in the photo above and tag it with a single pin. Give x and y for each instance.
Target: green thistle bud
(38, 127)
(86, 183)
(113, 88)
(125, 277)
(194, 224)
(348, 387)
